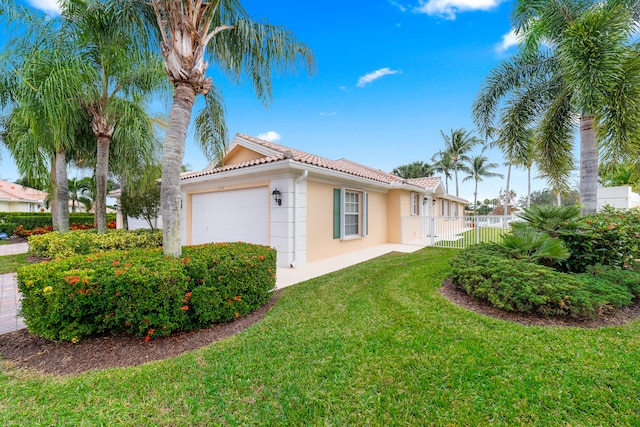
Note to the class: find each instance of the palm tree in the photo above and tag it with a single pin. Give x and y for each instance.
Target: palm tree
(480, 168)
(78, 189)
(590, 72)
(458, 145)
(416, 169)
(190, 32)
(124, 72)
(44, 123)
(443, 163)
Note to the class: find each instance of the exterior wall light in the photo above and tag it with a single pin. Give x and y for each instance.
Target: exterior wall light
(277, 197)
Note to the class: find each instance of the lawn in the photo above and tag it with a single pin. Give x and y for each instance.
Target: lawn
(474, 236)
(11, 263)
(374, 344)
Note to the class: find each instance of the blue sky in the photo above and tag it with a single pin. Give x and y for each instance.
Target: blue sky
(390, 75)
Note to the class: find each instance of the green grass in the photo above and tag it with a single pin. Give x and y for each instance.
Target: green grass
(5, 242)
(11, 263)
(474, 236)
(374, 344)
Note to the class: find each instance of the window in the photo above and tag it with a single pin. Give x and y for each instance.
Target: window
(415, 204)
(350, 216)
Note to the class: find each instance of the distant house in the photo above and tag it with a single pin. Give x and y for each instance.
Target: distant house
(17, 198)
(305, 206)
(621, 197)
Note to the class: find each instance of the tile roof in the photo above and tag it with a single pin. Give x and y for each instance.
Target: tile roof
(11, 191)
(340, 165)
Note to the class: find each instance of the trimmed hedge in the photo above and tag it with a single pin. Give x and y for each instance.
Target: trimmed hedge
(83, 242)
(485, 272)
(143, 292)
(33, 220)
(8, 227)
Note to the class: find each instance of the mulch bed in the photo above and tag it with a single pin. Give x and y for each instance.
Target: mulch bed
(23, 350)
(612, 317)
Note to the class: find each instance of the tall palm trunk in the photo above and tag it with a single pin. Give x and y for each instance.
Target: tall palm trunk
(475, 197)
(62, 191)
(54, 194)
(588, 166)
(528, 187)
(455, 171)
(507, 195)
(172, 155)
(102, 170)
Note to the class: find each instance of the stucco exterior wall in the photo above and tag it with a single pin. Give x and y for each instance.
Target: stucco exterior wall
(20, 206)
(320, 241)
(241, 154)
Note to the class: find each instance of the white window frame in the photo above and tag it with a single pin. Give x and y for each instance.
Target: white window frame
(415, 204)
(363, 201)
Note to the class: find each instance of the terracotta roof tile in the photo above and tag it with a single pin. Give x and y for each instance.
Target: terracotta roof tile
(341, 165)
(11, 191)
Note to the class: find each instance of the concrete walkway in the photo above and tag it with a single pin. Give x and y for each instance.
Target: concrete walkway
(10, 297)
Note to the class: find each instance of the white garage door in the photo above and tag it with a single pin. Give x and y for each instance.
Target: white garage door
(231, 216)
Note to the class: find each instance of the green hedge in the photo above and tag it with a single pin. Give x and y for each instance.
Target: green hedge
(485, 272)
(31, 220)
(143, 292)
(8, 227)
(82, 242)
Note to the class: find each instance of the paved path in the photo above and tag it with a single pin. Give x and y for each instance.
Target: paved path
(9, 295)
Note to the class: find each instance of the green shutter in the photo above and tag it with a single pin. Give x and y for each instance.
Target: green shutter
(336, 213)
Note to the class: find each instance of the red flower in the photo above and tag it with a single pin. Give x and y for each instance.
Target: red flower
(116, 262)
(261, 257)
(184, 307)
(147, 338)
(117, 293)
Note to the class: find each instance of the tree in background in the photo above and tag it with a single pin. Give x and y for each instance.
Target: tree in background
(142, 200)
(458, 145)
(443, 163)
(480, 168)
(416, 169)
(549, 197)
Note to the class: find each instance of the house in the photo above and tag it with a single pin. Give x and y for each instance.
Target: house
(621, 197)
(305, 206)
(17, 198)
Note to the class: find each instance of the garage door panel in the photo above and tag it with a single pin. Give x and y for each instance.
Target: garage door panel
(229, 216)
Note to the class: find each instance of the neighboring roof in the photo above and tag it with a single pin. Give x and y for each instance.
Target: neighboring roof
(17, 192)
(275, 152)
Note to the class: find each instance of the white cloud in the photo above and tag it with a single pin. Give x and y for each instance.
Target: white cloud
(508, 40)
(270, 136)
(50, 7)
(398, 5)
(370, 77)
(333, 113)
(448, 8)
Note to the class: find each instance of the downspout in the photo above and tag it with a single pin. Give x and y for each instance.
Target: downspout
(295, 216)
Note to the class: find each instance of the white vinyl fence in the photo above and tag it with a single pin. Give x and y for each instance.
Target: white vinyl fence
(454, 231)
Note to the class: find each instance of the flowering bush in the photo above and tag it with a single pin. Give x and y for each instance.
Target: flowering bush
(20, 231)
(143, 292)
(83, 242)
(610, 237)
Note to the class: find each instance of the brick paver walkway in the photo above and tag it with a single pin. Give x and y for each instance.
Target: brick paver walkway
(9, 295)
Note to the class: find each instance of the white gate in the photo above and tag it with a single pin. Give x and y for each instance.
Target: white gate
(454, 231)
